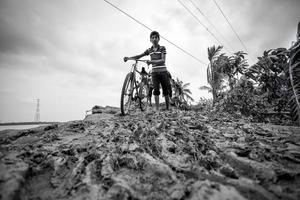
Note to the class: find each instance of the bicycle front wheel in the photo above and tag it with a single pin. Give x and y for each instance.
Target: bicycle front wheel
(144, 96)
(127, 94)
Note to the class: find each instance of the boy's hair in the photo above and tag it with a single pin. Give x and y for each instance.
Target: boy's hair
(154, 33)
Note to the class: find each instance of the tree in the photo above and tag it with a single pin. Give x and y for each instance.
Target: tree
(237, 64)
(270, 74)
(223, 68)
(214, 70)
(275, 84)
(182, 91)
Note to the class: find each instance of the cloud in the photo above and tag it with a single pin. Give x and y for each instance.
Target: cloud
(69, 53)
(261, 24)
(16, 38)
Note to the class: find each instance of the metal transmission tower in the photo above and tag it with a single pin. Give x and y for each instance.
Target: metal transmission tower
(37, 112)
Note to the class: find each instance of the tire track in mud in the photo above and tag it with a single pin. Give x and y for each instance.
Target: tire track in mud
(169, 155)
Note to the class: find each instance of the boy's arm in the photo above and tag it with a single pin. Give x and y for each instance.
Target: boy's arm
(159, 62)
(135, 57)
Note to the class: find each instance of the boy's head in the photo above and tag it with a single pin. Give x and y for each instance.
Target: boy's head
(154, 37)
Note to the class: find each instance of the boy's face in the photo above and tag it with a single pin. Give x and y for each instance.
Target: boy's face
(154, 39)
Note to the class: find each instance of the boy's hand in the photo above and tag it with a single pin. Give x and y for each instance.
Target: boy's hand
(149, 62)
(125, 59)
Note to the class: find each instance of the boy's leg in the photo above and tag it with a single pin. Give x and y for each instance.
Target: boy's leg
(156, 98)
(156, 93)
(170, 90)
(167, 100)
(165, 87)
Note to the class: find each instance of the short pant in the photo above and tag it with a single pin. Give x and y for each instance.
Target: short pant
(162, 79)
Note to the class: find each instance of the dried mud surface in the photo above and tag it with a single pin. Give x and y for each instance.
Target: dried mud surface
(167, 155)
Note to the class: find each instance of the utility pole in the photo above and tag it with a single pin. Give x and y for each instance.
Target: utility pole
(37, 112)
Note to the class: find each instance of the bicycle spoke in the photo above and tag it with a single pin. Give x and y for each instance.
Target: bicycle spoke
(144, 96)
(126, 97)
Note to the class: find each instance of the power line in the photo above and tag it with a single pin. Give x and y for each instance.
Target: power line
(210, 23)
(186, 52)
(231, 27)
(187, 9)
(202, 24)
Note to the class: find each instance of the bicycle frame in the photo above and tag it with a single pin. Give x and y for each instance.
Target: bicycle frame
(135, 88)
(133, 71)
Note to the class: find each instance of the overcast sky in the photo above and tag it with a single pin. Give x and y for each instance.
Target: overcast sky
(68, 53)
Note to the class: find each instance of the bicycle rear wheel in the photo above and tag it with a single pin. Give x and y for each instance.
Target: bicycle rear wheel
(127, 94)
(144, 96)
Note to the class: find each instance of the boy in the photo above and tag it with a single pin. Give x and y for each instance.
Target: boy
(159, 71)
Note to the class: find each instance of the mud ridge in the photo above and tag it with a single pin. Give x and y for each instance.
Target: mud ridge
(168, 155)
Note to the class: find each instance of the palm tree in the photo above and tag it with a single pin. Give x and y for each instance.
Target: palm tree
(237, 64)
(214, 70)
(222, 67)
(181, 91)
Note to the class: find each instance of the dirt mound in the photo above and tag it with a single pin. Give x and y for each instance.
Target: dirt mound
(168, 155)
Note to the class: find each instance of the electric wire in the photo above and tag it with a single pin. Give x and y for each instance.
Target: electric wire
(231, 27)
(137, 21)
(197, 19)
(189, 11)
(207, 19)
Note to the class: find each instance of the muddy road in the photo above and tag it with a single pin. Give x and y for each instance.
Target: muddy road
(168, 155)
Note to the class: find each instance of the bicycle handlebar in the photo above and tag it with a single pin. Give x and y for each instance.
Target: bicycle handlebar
(137, 60)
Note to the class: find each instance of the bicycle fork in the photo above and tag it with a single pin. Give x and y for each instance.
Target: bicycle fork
(133, 88)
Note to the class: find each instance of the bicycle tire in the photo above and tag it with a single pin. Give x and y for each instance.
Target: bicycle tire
(143, 96)
(127, 90)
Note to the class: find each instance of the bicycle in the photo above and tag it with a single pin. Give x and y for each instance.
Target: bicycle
(134, 91)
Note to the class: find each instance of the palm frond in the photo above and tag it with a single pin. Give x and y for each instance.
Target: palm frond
(182, 90)
(209, 89)
(186, 85)
(187, 91)
(266, 53)
(204, 87)
(213, 52)
(189, 97)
